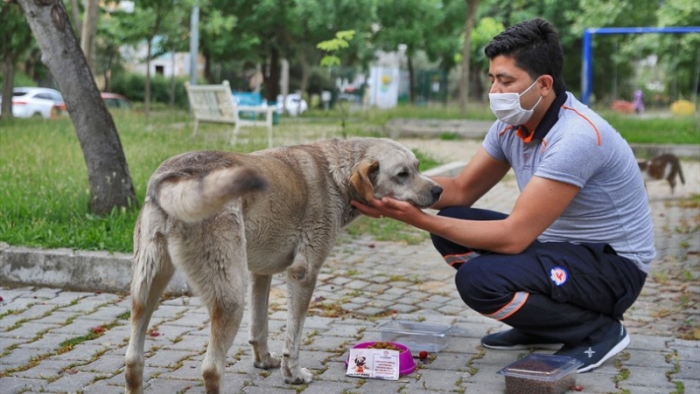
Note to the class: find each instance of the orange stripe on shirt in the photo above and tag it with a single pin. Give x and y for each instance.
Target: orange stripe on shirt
(504, 130)
(587, 120)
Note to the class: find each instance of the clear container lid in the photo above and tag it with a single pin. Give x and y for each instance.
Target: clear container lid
(544, 367)
(412, 327)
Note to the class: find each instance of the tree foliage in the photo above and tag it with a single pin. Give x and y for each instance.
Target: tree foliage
(240, 35)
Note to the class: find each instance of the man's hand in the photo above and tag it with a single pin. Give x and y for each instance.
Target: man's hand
(389, 207)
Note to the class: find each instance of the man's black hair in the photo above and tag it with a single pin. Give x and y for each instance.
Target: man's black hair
(535, 47)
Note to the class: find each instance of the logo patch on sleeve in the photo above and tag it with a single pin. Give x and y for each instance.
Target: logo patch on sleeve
(558, 275)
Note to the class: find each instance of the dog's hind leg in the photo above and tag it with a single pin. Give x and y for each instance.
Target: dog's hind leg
(301, 281)
(152, 272)
(216, 267)
(259, 300)
(226, 312)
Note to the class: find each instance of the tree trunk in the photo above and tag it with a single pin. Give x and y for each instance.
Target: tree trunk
(272, 83)
(171, 98)
(147, 93)
(87, 43)
(472, 5)
(75, 10)
(108, 173)
(7, 66)
(411, 79)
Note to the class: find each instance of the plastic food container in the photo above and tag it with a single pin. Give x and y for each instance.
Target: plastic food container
(540, 374)
(416, 335)
(406, 363)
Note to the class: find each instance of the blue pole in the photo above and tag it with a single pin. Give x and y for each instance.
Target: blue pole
(587, 67)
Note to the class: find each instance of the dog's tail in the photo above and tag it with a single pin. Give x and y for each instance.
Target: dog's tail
(680, 172)
(195, 198)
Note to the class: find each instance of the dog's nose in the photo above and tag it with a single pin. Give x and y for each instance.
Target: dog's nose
(436, 191)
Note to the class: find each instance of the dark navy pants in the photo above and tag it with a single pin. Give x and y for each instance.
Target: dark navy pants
(559, 291)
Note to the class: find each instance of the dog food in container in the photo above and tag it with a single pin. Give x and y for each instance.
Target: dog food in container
(541, 374)
(417, 336)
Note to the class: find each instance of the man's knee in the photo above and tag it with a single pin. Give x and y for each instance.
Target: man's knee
(469, 282)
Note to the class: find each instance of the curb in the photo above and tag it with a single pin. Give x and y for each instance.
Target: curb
(72, 270)
(652, 150)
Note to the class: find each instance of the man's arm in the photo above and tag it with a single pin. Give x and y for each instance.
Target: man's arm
(538, 206)
(481, 174)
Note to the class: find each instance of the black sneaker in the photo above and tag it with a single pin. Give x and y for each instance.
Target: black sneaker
(514, 339)
(593, 356)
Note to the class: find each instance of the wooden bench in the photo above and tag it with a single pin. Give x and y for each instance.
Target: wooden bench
(215, 104)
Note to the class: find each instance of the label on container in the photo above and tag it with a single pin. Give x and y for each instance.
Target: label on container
(374, 364)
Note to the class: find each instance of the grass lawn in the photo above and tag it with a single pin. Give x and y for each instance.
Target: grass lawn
(44, 190)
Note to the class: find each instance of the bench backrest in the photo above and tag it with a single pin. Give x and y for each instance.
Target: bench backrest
(213, 103)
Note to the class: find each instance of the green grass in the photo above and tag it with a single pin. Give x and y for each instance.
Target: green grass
(672, 130)
(44, 194)
(44, 190)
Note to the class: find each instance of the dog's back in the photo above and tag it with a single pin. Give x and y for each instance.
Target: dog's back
(666, 166)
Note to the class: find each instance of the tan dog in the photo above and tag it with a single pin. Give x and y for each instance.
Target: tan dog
(222, 217)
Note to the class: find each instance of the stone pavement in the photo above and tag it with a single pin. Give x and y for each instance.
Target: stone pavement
(59, 341)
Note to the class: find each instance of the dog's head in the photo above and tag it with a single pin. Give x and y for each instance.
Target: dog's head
(386, 168)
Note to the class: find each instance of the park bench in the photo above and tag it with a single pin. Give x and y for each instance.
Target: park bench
(216, 104)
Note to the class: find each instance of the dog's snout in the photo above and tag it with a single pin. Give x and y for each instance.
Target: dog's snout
(436, 191)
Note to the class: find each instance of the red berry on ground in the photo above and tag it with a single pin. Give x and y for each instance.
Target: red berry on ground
(423, 355)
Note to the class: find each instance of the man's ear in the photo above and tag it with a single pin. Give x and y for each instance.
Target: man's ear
(360, 178)
(546, 84)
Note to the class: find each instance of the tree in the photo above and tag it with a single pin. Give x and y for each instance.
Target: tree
(481, 36)
(320, 19)
(407, 22)
(89, 29)
(331, 59)
(108, 173)
(155, 22)
(15, 27)
(466, 54)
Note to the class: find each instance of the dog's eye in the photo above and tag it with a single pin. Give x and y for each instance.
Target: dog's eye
(403, 174)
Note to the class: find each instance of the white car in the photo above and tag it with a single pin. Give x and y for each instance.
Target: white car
(294, 105)
(28, 102)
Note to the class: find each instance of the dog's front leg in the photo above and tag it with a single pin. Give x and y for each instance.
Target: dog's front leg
(301, 281)
(259, 299)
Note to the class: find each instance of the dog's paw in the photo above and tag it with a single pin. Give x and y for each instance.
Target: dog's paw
(303, 377)
(267, 362)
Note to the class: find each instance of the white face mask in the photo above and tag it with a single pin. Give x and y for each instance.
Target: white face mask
(506, 107)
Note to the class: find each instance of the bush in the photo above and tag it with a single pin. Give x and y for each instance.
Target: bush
(133, 87)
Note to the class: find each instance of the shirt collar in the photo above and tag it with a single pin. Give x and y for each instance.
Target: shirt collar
(548, 121)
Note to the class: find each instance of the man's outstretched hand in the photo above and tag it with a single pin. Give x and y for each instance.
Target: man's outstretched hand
(389, 207)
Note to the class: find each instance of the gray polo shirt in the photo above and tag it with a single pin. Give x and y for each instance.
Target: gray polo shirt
(572, 144)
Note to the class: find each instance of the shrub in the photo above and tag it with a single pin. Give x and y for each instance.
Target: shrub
(133, 87)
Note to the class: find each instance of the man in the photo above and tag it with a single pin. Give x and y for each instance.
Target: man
(575, 251)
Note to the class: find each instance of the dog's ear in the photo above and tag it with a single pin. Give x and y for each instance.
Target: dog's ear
(360, 178)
